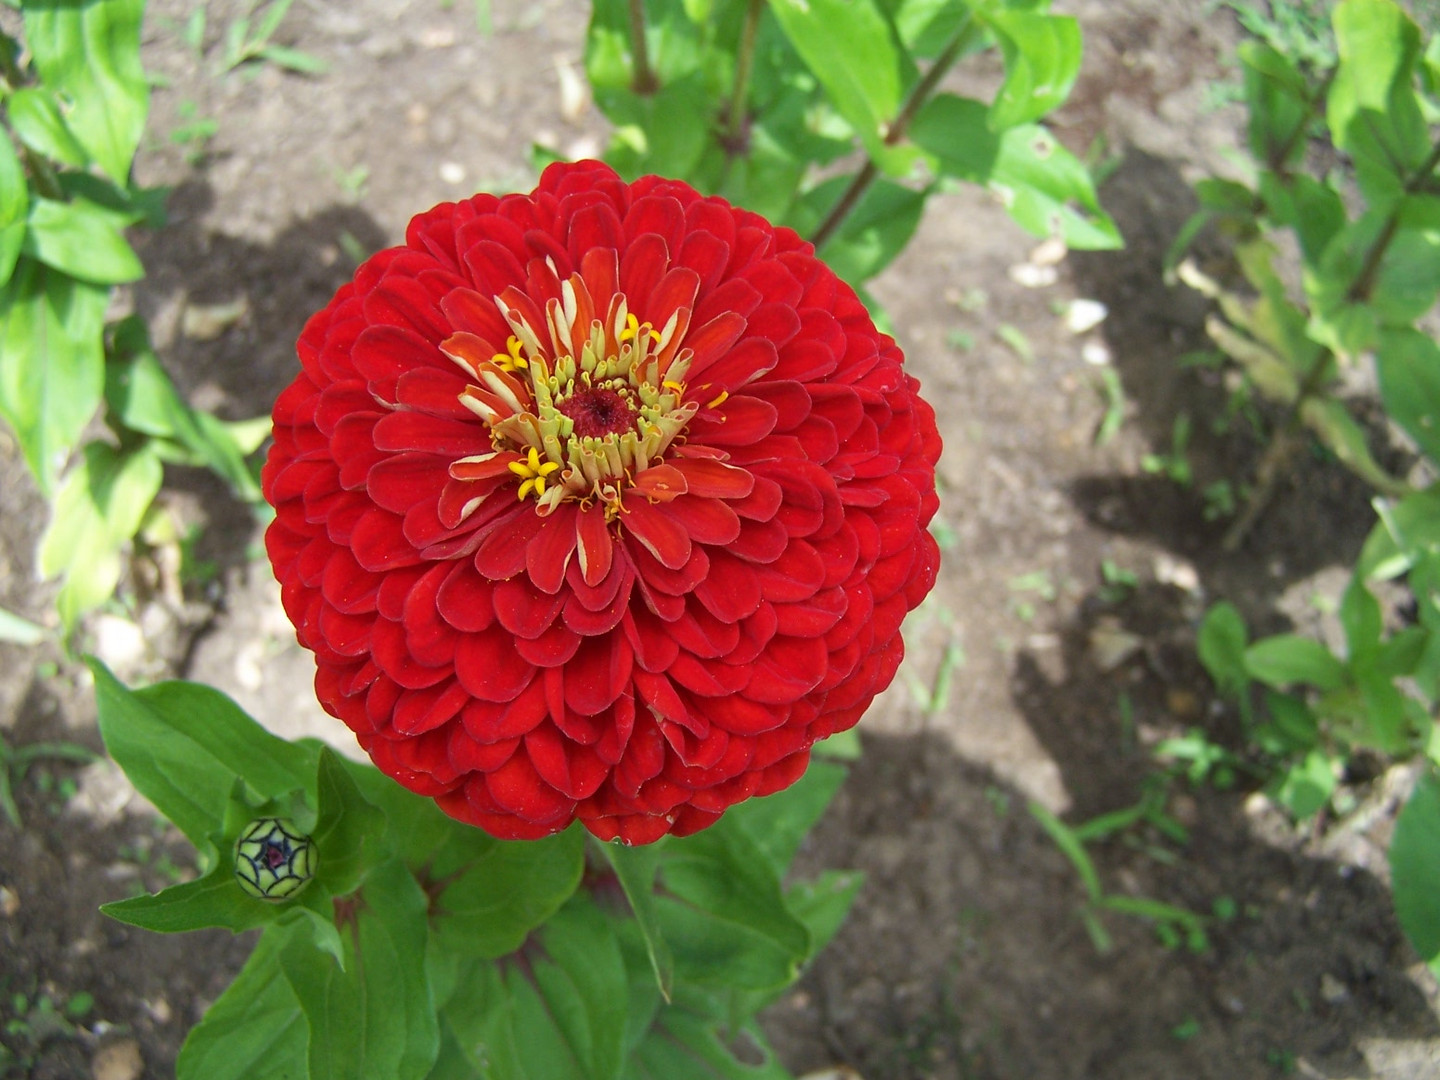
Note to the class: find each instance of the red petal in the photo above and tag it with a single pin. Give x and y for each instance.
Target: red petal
(487, 665)
(399, 482)
(523, 609)
(746, 362)
(714, 479)
(551, 649)
(740, 421)
(710, 678)
(662, 537)
(465, 599)
(655, 647)
(708, 521)
(596, 549)
(760, 541)
(388, 647)
(600, 270)
(467, 755)
(598, 674)
(712, 340)
(574, 770)
(502, 554)
(420, 711)
(429, 638)
(519, 788)
(787, 670)
(379, 544)
(591, 228)
(731, 591)
(434, 391)
(548, 554)
(655, 214)
(489, 721)
(642, 264)
(398, 431)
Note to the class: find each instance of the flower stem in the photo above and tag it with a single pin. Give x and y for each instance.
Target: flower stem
(644, 80)
(733, 138)
(894, 132)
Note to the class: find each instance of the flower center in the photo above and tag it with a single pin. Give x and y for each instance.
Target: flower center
(599, 412)
(274, 855)
(580, 412)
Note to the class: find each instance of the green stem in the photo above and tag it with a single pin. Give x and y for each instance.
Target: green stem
(1365, 282)
(734, 136)
(894, 132)
(644, 81)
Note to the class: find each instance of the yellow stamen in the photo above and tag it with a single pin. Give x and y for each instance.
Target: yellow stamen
(634, 328)
(719, 400)
(533, 473)
(671, 384)
(511, 361)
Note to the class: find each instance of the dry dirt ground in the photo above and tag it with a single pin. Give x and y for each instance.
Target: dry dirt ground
(965, 956)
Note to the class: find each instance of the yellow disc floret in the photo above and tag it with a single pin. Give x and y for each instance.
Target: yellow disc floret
(532, 472)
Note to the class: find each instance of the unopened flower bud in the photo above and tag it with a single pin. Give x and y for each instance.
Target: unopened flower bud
(273, 859)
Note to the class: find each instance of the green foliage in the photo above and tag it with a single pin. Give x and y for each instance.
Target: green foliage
(1369, 244)
(791, 86)
(72, 120)
(425, 948)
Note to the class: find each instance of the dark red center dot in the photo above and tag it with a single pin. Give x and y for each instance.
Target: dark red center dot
(598, 413)
(274, 855)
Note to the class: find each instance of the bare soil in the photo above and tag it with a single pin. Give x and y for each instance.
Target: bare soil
(966, 956)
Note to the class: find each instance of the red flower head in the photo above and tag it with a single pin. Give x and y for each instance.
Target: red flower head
(602, 502)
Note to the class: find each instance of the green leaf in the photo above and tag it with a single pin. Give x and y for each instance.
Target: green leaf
(876, 231)
(144, 399)
(254, 1030)
(778, 823)
(1043, 186)
(1285, 659)
(1408, 365)
(635, 868)
(687, 1042)
(1221, 644)
(51, 363)
(1373, 112)
(14, 202)
(39, 124)
(1042, 58)
(182, 746)
(508, 891)
(1415, 868)
(98, 511)
(88, 51)
(349, 828)
(1361, 620)
(657, 133)
(1338, 430)
(18, 630)
(848, 46)
(215, 900)
(375, 1019)
(1305, 786)
(80, 239)
(822, 904)
(1278, 97)
(557, 1011)
(926, 26)
(723, 914)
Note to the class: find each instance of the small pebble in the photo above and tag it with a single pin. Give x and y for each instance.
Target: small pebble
(1032, 276)
(452, 172)
(1095, 352)
(118, 1061)
(1332, 990)
(1083, 315)
(9, 902)
(1049, 252)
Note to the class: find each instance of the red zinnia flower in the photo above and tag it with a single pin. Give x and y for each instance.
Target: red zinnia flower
(603, 502)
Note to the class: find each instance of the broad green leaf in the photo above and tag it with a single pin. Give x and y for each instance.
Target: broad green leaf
(374, 1020)
(80, 239)
(504, 894)
(1372, 109)
(925, 27)
(1042, 58)
(1408, 365)
(779, 823)
(97, 512)
(1361, 620)
(687, 1042)
(414, 823)
(1293, 720)
(1043, 186)
(14, 202)
(635, 868)
(1279, 105)
(849, 47)
(143, 398)
(254, 1030)
(89, 52)
(657, 133)
(1286, 659)
(51, 362)
(1415, 868)
(349, 829)
(823, 904)
(1221, 644)
(876, 231)
(182, 746)
(1312, 208)
(1306, 785)
(215, 900)
(723, 914)
(39, 124)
